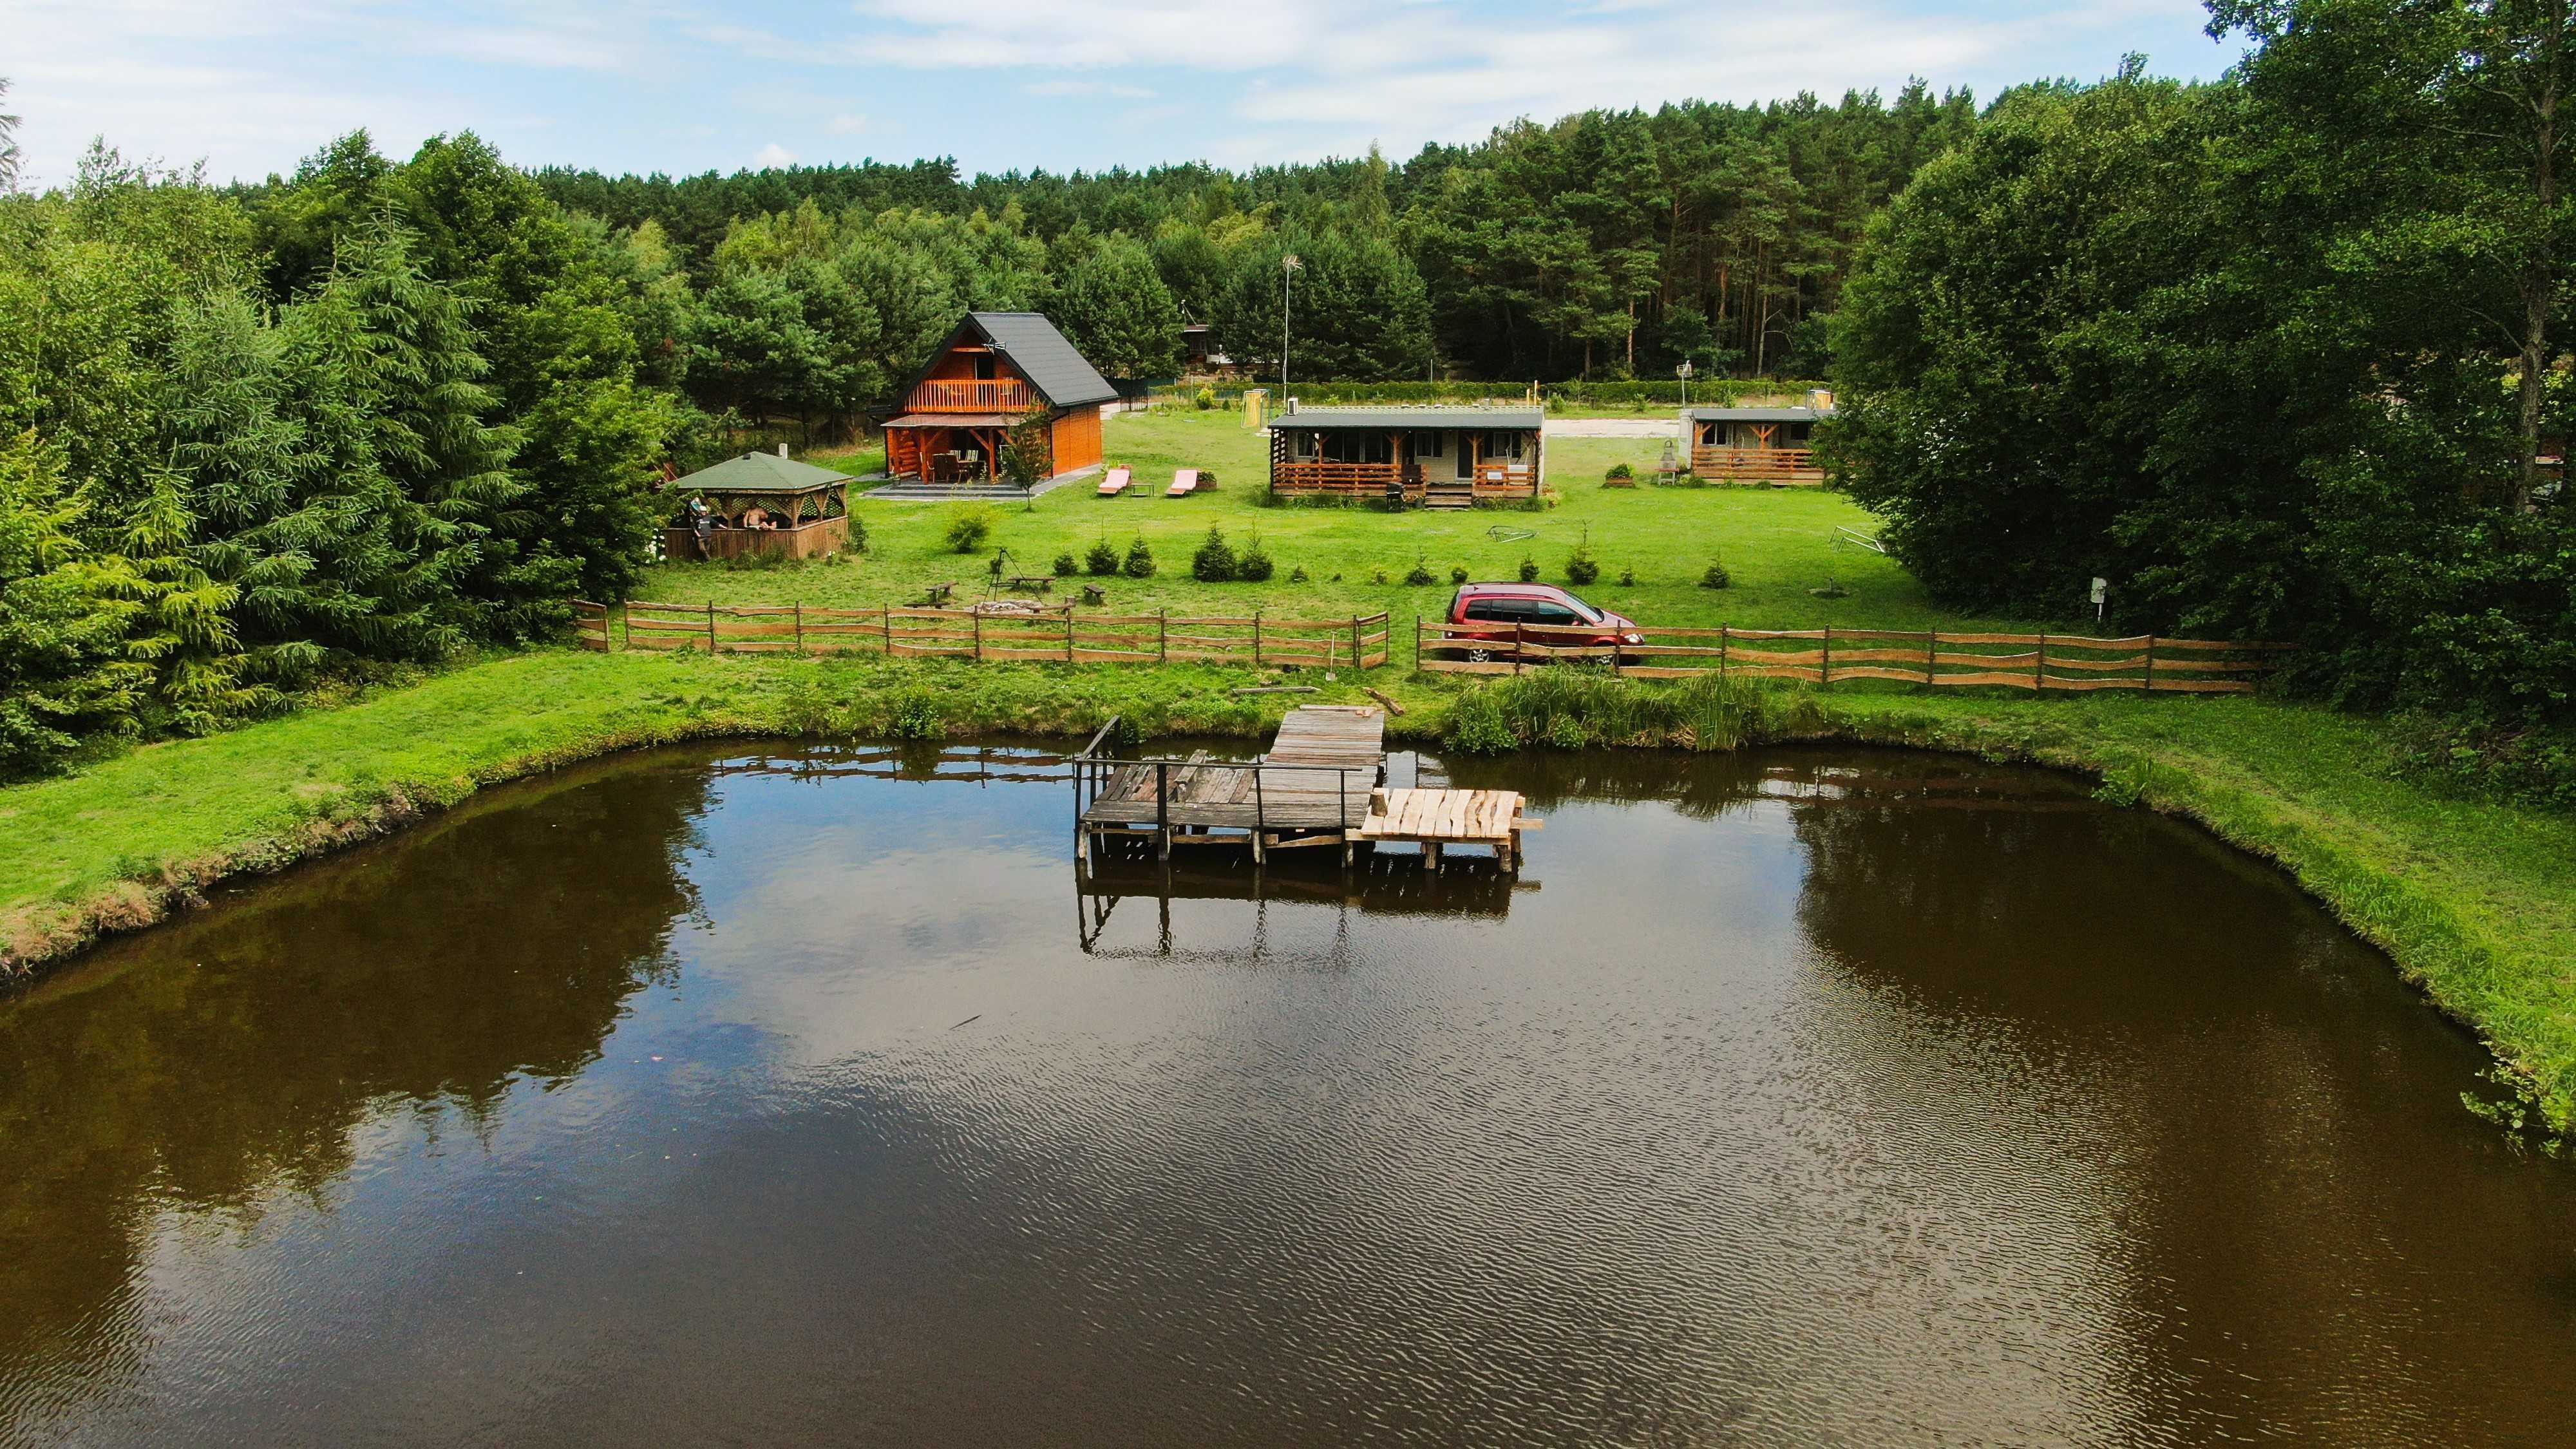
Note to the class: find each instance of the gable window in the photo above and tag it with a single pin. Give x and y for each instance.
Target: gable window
(984, 368)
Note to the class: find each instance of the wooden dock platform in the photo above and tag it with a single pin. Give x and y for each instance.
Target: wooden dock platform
(1318, 786)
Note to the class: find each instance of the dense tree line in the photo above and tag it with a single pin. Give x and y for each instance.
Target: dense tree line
(2280, 357)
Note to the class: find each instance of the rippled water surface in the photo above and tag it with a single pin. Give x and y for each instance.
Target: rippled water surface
(813, 1097)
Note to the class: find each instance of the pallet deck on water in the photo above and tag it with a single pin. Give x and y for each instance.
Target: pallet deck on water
(1318, 785)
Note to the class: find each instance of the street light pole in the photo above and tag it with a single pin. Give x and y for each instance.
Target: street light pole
(1684, 373)
(1288, 266)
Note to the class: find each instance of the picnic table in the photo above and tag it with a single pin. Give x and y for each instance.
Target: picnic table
(936, 595)
(1032, 583)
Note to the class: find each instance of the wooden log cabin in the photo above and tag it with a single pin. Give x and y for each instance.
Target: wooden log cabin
(1773, 445)
(1440, 456)
(760, 503)
(994, 370)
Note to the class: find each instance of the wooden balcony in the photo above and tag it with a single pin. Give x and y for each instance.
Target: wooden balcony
(1782, 467)
(1004, 395)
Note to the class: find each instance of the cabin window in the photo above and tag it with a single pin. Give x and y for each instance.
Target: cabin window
(1802, 433)
(1708, 434)
(1358, 447)
(1503, 445)
(1430, 445)
(984, 369)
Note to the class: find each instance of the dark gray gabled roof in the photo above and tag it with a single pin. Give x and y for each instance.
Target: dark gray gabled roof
(757, 473)
(1062, 376)
(1434, 415)
(1759, 415)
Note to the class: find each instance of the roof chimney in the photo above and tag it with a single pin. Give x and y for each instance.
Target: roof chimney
(782, 450)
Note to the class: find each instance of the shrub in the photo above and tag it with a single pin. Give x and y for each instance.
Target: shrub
(1620, 470)
(1066, 565)
(1140, 560)
(1627, 578)
(1207, 478)
(1457, 576)
(968, 527)
(1529, 570)
(1716, 577)
(1214, 562)
(914, 715)
(1376, 576)
(1102, 560)
(858, 534)
(1297, 575)
(1580, 566)
(1476, 725)
(1205, 399)
(1418, 575)
(1253, 565)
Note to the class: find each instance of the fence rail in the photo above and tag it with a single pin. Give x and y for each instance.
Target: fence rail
(1063, 635)
(2072, 662)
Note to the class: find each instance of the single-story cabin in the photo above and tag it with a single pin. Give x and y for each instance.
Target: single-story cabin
(1754, 445)
(760, 503)
(1440, 456)
(994, 370)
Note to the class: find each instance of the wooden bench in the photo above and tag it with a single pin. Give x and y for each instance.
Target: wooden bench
(1030, 583)
(1094, 594)
(936, 595)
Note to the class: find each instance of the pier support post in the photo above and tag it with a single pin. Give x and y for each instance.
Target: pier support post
(1163, 843)
(1431, 855)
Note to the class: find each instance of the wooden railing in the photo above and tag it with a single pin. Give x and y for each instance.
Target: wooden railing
(1007, 395)
(1064, 635)
(2070, 662)
(1491, 480)
(1760, 465)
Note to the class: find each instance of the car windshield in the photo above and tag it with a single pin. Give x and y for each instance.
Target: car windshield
(1582, 610)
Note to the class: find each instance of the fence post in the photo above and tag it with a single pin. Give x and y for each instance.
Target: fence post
(885, 621)
(711, 628)
(1068, 633)
(2039, 666)
(1518, 635)
(1417, 643)
(2151, 662)
(1162, 636)
(1721, 649)
(800, 625)
(1256, 638)
(1357, 658)
(1825, 671)
(1931, 655)
(978, 621)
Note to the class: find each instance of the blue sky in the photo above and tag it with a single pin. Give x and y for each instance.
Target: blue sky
(248, 86)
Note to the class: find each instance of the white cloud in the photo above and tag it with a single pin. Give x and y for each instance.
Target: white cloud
(846, 124)
(773, 154)
(1086, 88)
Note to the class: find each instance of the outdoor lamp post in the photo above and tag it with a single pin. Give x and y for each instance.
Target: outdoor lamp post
(1684, 373)
(1288, 266)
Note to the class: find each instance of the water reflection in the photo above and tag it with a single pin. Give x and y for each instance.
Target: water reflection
(764, 1096)
(232, 1061)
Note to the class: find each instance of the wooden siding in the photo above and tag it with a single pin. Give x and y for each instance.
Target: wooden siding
(1076, 441)
(1792, 467)
(811, 540)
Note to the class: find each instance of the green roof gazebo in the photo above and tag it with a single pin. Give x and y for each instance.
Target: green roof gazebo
(760, 503)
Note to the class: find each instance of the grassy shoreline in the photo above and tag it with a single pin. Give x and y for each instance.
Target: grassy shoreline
(2474, 902)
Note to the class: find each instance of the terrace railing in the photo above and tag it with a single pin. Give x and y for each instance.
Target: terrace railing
(1939, 659)
(1757, 465)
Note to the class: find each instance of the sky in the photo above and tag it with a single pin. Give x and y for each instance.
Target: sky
(250, 86)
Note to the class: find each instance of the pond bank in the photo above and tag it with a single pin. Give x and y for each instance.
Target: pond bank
(2474, 902)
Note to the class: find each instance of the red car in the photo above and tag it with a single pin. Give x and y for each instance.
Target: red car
(1490, 611)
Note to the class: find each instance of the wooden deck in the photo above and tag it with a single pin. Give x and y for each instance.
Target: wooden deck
(1319, 785)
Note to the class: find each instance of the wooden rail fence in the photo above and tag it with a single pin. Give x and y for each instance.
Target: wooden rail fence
(1063, 635)
(2072, 662)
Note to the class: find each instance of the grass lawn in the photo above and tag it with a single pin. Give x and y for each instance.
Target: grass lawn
(1778, 544)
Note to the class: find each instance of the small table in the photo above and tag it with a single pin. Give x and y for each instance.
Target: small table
(936, 595)
(1030, 583)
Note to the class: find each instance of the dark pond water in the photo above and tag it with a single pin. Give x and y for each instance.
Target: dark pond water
(1792, 1098)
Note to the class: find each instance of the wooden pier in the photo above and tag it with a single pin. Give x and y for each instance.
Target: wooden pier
(1321, 784)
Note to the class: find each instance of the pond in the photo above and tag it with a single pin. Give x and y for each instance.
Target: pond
(816, 1095)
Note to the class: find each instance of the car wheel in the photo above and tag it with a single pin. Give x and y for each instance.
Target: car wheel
(1480, 656)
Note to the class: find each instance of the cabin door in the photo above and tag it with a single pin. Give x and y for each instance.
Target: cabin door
(1467, 455)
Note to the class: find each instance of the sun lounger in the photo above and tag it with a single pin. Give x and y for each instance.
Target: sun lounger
(1117, 481)
(1183, 480)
